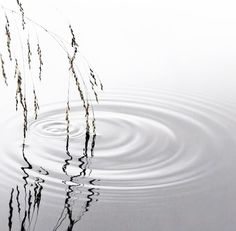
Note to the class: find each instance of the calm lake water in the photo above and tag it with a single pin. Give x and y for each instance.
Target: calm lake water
(160, 160)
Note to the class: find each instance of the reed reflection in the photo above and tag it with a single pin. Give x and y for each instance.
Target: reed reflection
(80, 192)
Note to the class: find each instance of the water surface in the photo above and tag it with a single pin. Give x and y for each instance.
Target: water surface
(160, 160)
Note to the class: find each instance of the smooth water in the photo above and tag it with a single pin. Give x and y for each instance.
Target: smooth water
(160, 160)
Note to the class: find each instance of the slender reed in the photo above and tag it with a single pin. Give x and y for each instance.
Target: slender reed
(20, 73)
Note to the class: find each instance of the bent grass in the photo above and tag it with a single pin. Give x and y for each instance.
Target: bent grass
(23, 60)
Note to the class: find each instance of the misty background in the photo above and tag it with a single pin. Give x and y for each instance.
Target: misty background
(169, 44)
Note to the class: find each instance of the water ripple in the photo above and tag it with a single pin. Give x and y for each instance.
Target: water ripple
(144, 142)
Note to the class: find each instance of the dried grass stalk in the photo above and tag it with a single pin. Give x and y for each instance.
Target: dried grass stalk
(29, 53)
(94, 83)
(22, 99)
(39, 51)
(95, 80)
(3, 69)
(16, 68)
(25, 113)
(87, 107)
(22, 13)
(94, 91)
(73, 40)
(36, 105)
(85, 103)
(101, 85)
(74, 74)
(19, 93)
(93, 76)
(8, 34)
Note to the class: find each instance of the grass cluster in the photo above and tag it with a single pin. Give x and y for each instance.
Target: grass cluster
(21, 62)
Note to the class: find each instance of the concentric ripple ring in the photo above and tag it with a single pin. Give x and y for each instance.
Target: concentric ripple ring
(155, 140)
